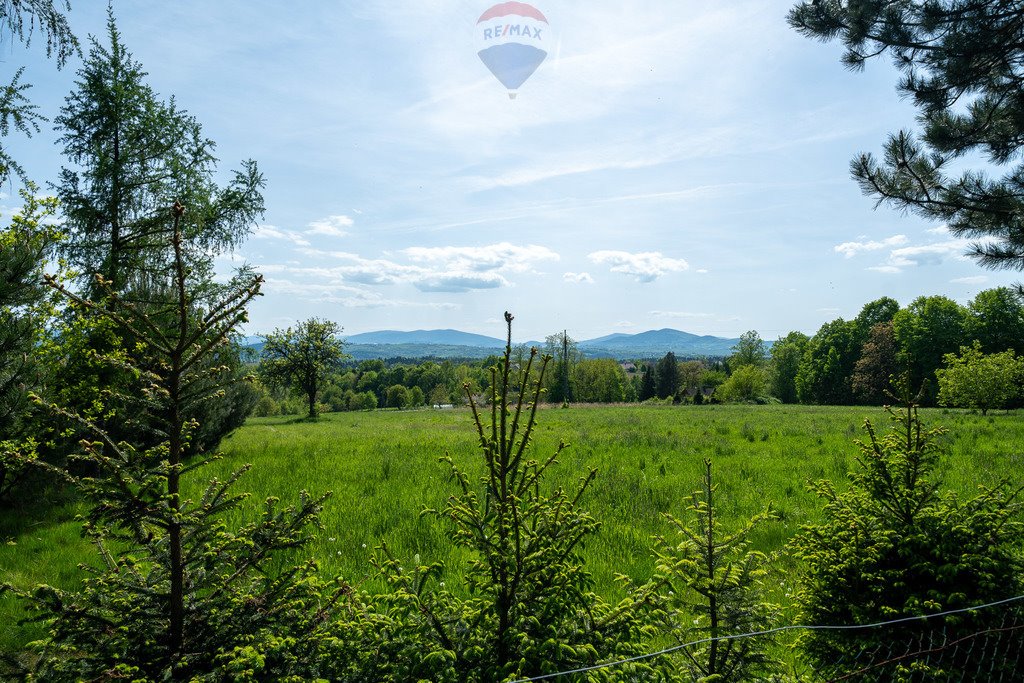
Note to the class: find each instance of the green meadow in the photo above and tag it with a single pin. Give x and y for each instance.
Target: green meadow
(382, 470)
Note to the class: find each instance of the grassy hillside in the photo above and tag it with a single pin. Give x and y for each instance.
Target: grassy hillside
(382, 469)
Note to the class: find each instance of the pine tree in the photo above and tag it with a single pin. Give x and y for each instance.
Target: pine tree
(962, 68)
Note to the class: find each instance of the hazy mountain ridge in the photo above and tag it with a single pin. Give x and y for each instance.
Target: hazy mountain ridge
(457, 344)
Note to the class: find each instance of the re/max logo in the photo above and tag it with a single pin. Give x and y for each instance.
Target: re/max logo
(512, 30)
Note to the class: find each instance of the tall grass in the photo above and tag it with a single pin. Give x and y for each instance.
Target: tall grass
(383, 469)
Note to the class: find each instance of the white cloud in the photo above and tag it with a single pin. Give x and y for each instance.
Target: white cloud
(437, 269)
(885, 269)
(971, 280)
(645, 266)
(927, 254)
(460, 282)
(332, 226)
(625, 324)
(501, 257)
(271, 232)
(851, 249)
(578, 278)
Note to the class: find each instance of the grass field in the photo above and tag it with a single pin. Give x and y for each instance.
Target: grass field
(382, 468)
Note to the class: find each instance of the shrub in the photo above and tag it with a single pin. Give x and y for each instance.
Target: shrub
(894, 546)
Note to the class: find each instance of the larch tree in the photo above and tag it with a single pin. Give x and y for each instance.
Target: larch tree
(22, 20)
(130, 155)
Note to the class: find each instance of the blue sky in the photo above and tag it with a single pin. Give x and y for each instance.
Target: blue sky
(669, 165)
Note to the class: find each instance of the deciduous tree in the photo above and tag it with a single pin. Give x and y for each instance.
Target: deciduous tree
(879, 362)
(996, 319)
(785, 357)
(302, 357)
(749, 350)
(972, 379)
(926, 330)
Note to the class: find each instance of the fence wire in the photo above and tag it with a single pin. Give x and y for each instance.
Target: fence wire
(980, 643)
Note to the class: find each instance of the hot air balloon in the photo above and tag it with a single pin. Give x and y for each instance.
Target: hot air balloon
(511, 39)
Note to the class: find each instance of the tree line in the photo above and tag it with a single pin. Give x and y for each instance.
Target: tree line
(965, 355)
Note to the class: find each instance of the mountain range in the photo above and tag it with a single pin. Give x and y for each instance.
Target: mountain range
(457, 344)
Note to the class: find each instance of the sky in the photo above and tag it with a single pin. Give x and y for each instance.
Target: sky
(680, 165)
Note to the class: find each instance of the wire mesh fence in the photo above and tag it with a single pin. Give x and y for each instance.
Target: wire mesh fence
(981, 643)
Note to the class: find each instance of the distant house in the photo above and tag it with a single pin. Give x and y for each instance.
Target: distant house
(630, 368)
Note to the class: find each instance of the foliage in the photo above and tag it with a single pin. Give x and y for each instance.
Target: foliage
(666, 376)
(648, 388)
(996, 320)
(717, 591)
(20, 19)
(23, 314)
(397, 396)
(302, 357)
(600, 380)
(786, 354)
(749, 350)
(748, 383)
(567, 356)
(926, 330)
(530, 609)
(133, 156)
(177, 596)
(878, 363)
(974, 379)
(893, 545)
(827, 365)
(963, 73)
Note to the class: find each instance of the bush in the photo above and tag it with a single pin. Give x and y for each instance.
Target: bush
(893, 546)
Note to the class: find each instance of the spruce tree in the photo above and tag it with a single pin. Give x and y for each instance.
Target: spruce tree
(23, 314)
(717, 592)
(527, 607)
(894, 545)
(177, 595)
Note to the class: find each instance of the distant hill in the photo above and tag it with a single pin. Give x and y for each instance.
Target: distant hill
(456, 344)
(656, 343)
(425, 337)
